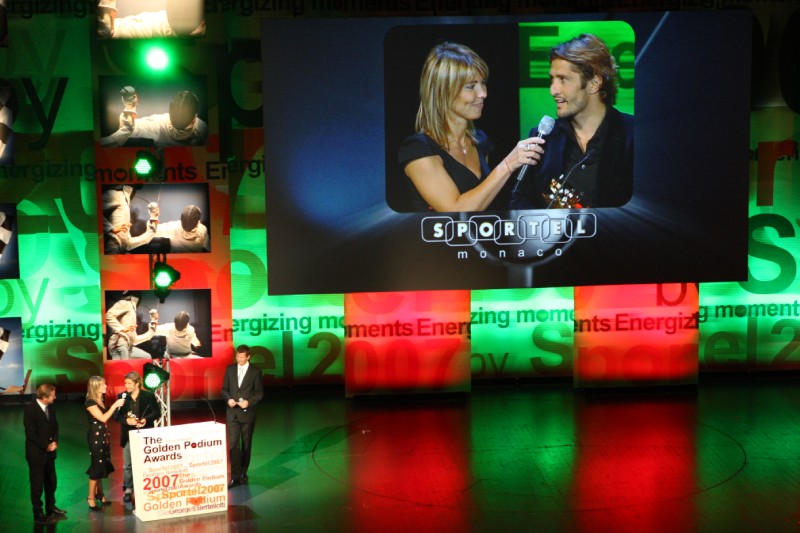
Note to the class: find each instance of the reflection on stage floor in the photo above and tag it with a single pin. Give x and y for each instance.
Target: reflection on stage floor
(522, 457)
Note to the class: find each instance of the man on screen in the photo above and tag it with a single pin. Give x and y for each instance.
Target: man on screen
(587, 160)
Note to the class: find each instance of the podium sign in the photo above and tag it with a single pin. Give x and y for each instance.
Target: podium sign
(179, 470)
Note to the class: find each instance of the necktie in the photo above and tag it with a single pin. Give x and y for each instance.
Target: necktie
(241, 375)
(47, 412)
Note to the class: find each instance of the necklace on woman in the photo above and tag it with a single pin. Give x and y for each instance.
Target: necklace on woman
(462, 145)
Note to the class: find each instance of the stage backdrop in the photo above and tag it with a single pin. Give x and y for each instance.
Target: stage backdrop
(53, 302)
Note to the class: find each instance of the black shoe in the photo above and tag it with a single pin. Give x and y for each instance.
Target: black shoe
(234, 482)
(245, 479)
(56, 510)
(126, 497)
(39, 518)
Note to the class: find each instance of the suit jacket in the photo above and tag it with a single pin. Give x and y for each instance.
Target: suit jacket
(252, 390)
(148, 406)
(614, 173)
(39, 432)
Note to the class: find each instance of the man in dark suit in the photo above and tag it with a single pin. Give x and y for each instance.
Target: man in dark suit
(41, 442)
(242, 389)
(141, 410)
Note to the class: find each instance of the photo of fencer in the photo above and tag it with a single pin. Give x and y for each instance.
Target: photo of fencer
(181, 337)
(9, 250)
(3, 22)
(156, 218)
(186, 235)
(17, 389)
(126, 331)
(119, 236)
(180, 327)
(12, 373)
(144, 113)
(5, 335)
(8, 111)
(145, 19)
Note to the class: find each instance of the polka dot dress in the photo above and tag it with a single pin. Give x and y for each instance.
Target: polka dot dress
(99, 447)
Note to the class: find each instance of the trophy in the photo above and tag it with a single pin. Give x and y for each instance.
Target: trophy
(562, 197)
(153, 319)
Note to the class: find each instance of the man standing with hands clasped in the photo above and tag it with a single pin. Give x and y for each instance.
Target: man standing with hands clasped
(41, 443)
(242, 389)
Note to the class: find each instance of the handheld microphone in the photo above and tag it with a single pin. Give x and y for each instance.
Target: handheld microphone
(544, 128)
(124, 395)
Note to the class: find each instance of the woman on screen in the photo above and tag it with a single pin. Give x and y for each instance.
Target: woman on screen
(447, 160)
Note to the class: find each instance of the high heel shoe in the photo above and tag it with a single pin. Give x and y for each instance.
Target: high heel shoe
(102, 499)
(92, 504)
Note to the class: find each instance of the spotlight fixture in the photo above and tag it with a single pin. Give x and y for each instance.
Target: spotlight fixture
(154, 376)
(148, 166)
(164, 276)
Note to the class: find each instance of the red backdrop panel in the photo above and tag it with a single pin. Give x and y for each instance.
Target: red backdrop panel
(636, 335)
(406, 342)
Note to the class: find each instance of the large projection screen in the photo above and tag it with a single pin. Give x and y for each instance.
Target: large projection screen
(340, 96)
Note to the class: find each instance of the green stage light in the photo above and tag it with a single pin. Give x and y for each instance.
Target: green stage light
(143, 167)
(157, 58)
(164, 276)
(154, 376)
(147, 166)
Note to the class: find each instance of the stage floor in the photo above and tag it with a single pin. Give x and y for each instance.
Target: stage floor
(543, 458)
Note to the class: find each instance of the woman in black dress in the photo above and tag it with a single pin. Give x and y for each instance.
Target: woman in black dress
(447, 160)
(97, 415)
